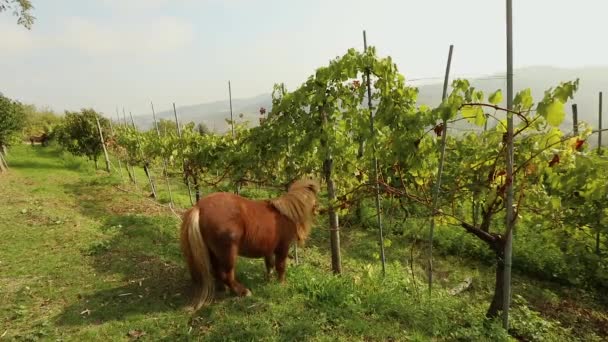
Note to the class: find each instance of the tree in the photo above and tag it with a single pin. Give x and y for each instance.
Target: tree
(21, 9)
(475, 167)
(12, 116)
(40, 121)
(11, 123)
(79, 133)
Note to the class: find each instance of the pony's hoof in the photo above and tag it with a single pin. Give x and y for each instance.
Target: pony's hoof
(247, 293)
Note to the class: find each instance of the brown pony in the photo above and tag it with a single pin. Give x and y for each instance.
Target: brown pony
(222, 226)
(42, 139)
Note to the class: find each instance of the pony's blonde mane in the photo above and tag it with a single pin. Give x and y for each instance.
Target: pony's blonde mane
(298, 205)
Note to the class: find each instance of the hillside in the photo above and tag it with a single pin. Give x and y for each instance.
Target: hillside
(213, 114)
(539, 78)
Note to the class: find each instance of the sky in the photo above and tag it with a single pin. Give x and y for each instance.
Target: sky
(106, 54)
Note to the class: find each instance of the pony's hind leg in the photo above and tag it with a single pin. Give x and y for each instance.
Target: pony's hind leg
(219, 284)
(281, 263)
(226, 264)
(269, 262)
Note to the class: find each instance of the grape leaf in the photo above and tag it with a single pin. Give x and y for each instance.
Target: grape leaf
(496, 97)
(555, 113)
(474, 115)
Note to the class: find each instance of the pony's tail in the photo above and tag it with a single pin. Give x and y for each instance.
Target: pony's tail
(197, 256)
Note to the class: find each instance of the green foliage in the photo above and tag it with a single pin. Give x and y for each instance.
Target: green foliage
(12, 115)
(79, 133)
(529, 324)
(166, 126)
(40, 121)
(21, 9)
(582, 185)
(496, 97)
(135, 279)
(324, 118)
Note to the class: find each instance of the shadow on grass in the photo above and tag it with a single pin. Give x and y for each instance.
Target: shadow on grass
(141, 255)
(138, 252)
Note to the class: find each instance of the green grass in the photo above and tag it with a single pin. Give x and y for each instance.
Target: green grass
(82, 260)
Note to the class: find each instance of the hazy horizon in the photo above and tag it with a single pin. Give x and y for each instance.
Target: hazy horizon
(112, 53)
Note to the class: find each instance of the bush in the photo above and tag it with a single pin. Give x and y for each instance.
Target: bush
(12, 120)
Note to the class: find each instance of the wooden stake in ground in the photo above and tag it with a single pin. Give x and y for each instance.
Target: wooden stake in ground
(179, 134)
(336, 258)
(238, 184)
(3, 164)
(146, 169)
(164, 159)
(230, 101)
(130, 168)
(599, 134)
(439, 170)
(375, 163)
(510, 216)
(574, 119)
(122, 179)
(103, 145)
(599, 152)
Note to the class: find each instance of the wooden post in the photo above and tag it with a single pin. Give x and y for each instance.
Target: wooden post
(599, 152)
(598, 231)
(599, 134)
(171, 204)
(146, 168)
(179, 134)
(103, 144)
(336, 258)
(510, 224)
(122, 179)
(477, 205)
(230, 101)
(238, 184)
(130, 168)
(289, 176)
(334, 227)
(439, 170)
(375, 163)
(3, 164)
(574, 119)
(124, 116)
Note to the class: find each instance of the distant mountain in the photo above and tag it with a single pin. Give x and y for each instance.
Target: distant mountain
(538, 79)
(213, 114)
